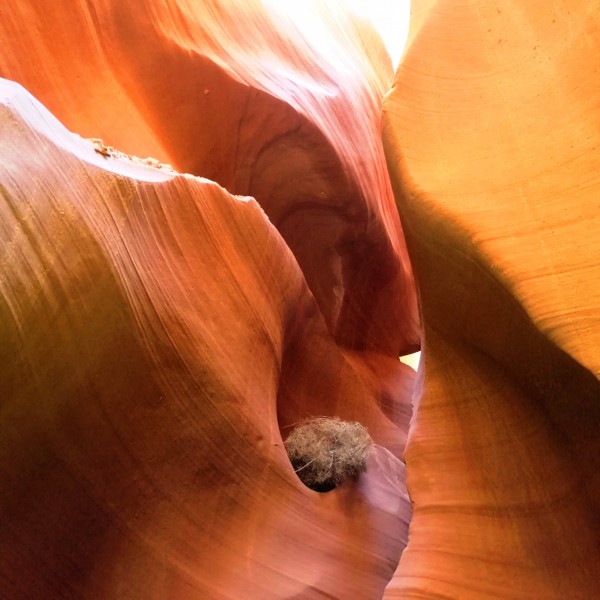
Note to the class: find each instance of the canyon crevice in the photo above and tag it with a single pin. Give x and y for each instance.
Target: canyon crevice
(163, 327)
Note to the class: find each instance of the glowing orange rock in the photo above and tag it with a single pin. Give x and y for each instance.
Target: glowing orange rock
(158, 332)
(152, 328)
(493, 140)
(224, 90)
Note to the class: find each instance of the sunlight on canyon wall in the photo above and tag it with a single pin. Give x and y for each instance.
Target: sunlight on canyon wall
(390, 18)
(305, 215)
(161, 332)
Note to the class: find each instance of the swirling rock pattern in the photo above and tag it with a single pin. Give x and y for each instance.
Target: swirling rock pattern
(225, 90)
(160, 334)
(153, 325)
(492, 135)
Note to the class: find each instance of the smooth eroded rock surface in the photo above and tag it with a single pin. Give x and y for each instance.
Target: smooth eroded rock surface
(160, 335)
(153, 326)
(492, 137)
(282, 107)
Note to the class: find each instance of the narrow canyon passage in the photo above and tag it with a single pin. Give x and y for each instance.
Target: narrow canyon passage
(162, 330)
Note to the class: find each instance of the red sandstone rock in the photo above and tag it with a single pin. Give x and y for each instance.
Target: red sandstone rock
(153, 325)
(223, 90)
(158, 332)
(492, 134)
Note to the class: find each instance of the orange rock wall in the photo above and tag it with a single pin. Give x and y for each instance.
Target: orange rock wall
(492, 137)
(152, 325)
(297, 127)
(161, 335)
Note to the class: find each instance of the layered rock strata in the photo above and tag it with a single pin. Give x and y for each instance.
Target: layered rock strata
(152, 324)
(492, 134)
(257, 101)
(163, 334)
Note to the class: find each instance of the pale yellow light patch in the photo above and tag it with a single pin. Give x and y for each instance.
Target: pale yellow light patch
(412, 360)
(389, 17)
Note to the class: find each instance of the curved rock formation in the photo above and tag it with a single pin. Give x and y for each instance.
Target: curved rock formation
(493, 141)
(161, 333)
(159, 337)
(152, 326)
(252, 100)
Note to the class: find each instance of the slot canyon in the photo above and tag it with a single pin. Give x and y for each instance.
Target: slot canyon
(219, 218)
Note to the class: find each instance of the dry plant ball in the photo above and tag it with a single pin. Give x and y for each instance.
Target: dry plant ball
(325, 451)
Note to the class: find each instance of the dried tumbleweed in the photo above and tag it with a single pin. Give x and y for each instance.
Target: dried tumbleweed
(325, 451)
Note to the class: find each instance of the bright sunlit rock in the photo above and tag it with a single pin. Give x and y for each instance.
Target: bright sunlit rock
(389, 17)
